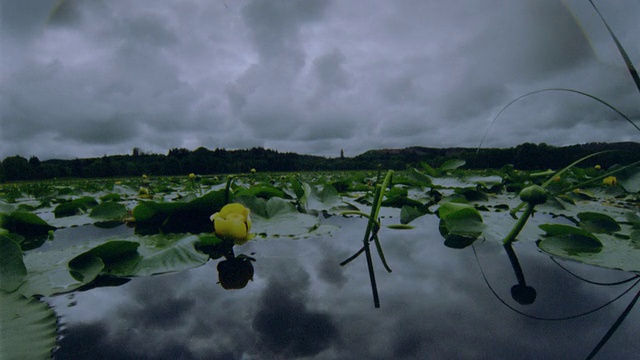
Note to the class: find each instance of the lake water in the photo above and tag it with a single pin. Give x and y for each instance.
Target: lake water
(302, 304)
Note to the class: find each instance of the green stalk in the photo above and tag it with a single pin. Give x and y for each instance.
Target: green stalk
(623, 53)
(227, 190)
(519, 225)
(372, 227)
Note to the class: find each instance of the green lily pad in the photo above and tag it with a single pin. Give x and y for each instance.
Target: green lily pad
(113, 258)
(12, 269)
(452, 164)
(265, 192)
(410, 213)
(177, 217)
(598, 223)
(418, 178)
(278, 217)
(28, 327)
(109, 211)
(168, 253)
(25, 223)
(75, 207)
(568, 240)
(461, 219)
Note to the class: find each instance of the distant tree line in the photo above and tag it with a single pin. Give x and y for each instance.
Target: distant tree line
(202, 161)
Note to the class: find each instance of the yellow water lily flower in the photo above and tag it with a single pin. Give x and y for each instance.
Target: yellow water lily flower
(597, 167)
(233, 222)
(192, 176)
(610, 180)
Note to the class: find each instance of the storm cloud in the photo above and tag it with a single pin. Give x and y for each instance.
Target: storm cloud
(91, 78)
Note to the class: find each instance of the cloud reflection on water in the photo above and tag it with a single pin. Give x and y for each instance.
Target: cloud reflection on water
(434, 304)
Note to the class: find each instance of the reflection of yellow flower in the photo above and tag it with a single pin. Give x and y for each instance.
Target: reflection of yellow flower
(610, 180)
(232, 222)
(597, 167)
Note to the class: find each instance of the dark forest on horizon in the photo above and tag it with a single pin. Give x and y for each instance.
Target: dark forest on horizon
(202, 161)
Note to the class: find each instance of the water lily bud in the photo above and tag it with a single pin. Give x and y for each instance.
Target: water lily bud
(253, 171)
(233, 223)
(597, 167)
(192, 176)
(534, 195)
(610, 181)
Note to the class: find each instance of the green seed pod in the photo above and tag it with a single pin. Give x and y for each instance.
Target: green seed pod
(534, 195)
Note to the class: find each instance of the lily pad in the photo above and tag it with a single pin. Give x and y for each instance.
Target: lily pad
(568, 240)
(25, 223)
(452, 164)
(12, 269)
(27, 327)
(461, 219)
(277, 217)
(109, 211)
(598, 223)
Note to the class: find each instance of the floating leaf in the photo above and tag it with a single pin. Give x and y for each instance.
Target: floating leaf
(568, 240)
(409, 213)
(117, 257)
(109, 211)
(154, 217)
(460, 224)
(163, 254)
(400, 227)
(452, 164)
(74, 207)
(265, 192)
(419, 178)
(461, 219)
(86, 267)
(25, 223)
(277, 217)
(12, 269)
(634, 219)
(598, 223)
(27, 327)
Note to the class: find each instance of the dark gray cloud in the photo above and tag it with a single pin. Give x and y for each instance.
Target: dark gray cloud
(309, 76)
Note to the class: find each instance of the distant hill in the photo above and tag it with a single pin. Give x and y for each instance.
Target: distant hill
(220, 161)
(526, 156)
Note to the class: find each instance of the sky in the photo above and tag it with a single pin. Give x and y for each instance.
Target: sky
(82, 78)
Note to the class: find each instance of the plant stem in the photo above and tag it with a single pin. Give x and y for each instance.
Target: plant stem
(519, 225)
(227, 190)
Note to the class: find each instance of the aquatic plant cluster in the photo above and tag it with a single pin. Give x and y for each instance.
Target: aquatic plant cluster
(585, 216)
